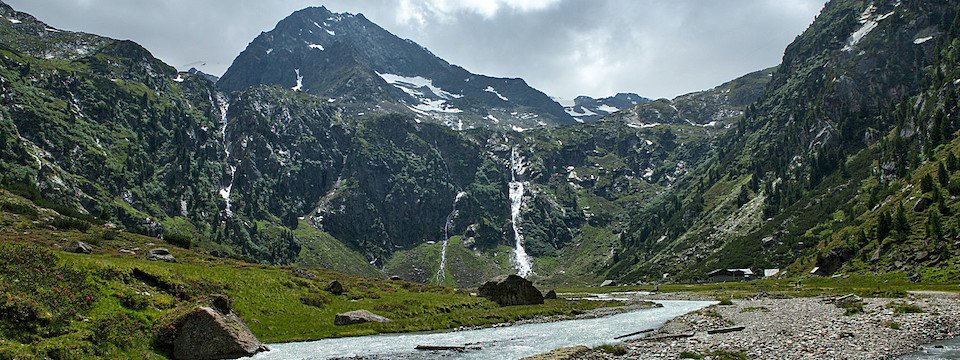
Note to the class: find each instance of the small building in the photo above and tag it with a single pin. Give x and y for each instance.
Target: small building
(725, 275)
(770, 272)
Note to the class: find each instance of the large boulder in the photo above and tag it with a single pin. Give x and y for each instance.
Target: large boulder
(210, 334)
(80, 247)
(160, 254)
(358, 317)
(513, 290)
(552, 294)
(335, 287)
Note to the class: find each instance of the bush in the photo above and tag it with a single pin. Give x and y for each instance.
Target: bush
(118, 329)
(68, 223)
(690, 355)
(725, 302)
(851, 307)
(40, 294)
(315, 299)
(900, 308)
(728, 355)
(19, 209)
(616, 350)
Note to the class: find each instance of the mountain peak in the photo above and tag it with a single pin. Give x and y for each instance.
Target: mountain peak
(346, 57)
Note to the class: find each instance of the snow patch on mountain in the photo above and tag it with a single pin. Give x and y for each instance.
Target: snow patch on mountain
(490, 89)
(922, 40)
(412, 84)
(299, 81)
(316, 46)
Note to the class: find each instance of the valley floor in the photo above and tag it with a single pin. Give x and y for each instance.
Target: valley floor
(800, 328)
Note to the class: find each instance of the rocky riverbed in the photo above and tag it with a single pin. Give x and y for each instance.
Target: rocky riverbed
(805, 328)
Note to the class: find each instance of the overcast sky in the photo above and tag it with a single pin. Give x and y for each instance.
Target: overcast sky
(565, 48)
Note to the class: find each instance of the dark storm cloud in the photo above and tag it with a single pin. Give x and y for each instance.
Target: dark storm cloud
(563, 47)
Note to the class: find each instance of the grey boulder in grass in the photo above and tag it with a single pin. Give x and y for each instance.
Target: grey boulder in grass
(208, 333)
(358, 317)
(513, 290)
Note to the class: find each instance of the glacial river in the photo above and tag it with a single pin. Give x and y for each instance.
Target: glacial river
(511, 342)
(947, 349)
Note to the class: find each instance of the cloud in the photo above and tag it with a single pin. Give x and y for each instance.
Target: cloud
(562, 47)
(422, 12)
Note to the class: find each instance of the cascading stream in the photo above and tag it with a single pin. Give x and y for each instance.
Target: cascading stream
(441, 274)
(231, 169)
(521, 261)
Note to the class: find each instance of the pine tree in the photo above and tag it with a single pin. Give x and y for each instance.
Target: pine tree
(934, 228)
(883, 226)
(926, 184)
(900, 223)
(943, 175)
(952, 164)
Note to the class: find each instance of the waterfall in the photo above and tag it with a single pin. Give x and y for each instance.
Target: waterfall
(521, 261)
(231, 169)
(441, 276)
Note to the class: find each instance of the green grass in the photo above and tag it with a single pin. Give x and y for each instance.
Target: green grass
(750, 309)
(616, 350)
(123, 302)
(901, 308)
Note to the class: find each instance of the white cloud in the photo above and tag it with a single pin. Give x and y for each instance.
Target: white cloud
(421, 12)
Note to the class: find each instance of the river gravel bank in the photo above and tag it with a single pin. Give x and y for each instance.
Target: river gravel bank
(804, 328)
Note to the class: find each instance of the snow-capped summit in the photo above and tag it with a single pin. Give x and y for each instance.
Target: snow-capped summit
(367, 69)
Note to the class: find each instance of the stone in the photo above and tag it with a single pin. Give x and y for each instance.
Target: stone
(210, 334)
(922, 204)
(513, 290)
(80, 247)
(304, 274)
(395, 278)
(358, 317)
(550, 295)
(335, 287)
(608, 283)
(160, 254)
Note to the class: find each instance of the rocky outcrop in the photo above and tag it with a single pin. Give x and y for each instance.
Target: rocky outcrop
(513, 290)
(160, 254)
(552, 294)
(208, 333)
(80, 247)
(358, 317)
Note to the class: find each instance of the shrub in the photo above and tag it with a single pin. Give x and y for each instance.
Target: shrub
(39, 292)
(755, 309)
(315, 299)
(851, 307)
(19, 209)
(725, 302)
(728, 355)
(118, 329)
(616, 350)
(690, 355)
(901, 308)
(68, 223)
(893, 325)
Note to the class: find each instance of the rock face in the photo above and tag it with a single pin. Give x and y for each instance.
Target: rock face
(335, 287)
(80, 247)
(550, 295)
(358, 317)
(160, 254)
(210, 334)
(513, 290)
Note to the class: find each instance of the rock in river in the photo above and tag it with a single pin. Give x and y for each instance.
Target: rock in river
(513, 290)
(210, 334)
(358, 317)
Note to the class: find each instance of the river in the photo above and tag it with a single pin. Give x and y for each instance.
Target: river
(510, 342)
(947, 349)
